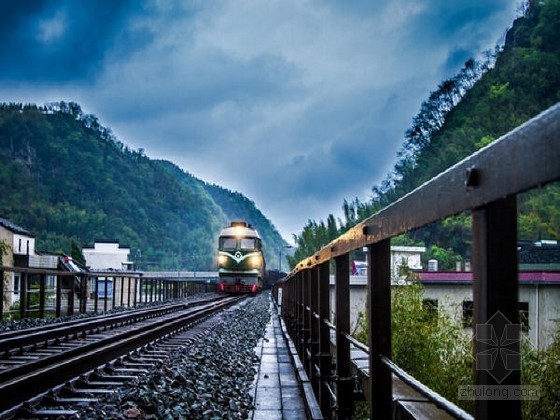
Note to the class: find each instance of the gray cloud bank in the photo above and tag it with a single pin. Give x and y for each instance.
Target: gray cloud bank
(296, 104)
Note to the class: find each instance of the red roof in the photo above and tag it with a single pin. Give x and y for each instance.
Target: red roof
(525, 277)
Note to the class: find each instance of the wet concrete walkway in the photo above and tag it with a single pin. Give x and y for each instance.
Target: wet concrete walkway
(278, 389)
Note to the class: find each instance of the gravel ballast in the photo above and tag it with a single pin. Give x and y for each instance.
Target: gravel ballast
(211, 378)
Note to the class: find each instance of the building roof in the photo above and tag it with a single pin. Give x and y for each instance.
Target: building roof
(466, 277)
(15, 228)
(540, 254)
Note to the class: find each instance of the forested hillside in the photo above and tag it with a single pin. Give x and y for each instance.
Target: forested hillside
(68, 179)
(485, 100)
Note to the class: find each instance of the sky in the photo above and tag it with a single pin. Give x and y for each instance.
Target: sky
(297, 104)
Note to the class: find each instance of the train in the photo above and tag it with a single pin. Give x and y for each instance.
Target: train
(241, 263)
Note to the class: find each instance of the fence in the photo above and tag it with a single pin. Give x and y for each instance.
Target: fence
(486, 184)
(43, 292)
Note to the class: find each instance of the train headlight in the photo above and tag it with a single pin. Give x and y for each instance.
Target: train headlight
(222, 259)
(255, 261)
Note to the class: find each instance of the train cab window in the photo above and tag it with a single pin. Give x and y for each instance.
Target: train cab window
(229, 243)
(248, 243)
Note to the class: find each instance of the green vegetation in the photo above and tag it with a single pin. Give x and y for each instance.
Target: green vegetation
(70, 181)
(542, 368)
(484, 101)
(433, 347)
(4, 249)
(428, 344)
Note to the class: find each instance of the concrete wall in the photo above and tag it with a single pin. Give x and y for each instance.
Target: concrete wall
(358, 298)
(543, 304)
(23, 244)
(105, 256)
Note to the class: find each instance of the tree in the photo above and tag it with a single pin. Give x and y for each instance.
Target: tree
(4, 249)
(76, 253)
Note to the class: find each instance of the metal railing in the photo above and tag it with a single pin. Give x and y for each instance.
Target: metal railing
(486, 184)
(48, 292)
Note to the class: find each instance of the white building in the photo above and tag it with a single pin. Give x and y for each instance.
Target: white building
(21, 244)
(107, 255)
(539, 300)
(409, 257)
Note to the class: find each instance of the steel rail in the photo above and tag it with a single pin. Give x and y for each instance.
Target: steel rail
(56, 369)
(26, 337)
(22, 339)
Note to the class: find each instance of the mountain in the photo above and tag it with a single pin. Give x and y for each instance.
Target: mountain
(69, 180)
(484, 101)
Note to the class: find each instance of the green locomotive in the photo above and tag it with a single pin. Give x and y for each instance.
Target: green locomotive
(241, 264)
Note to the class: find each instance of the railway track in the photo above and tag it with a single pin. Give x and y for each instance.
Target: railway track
(46, 370)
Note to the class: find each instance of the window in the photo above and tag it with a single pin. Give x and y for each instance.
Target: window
(467, 313)
(229, 243)
(16, 284)
(523, 314)
(430, 307)
(101, 287)
(248, 243)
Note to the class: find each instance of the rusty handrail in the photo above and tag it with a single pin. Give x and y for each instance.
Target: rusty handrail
(524, 158)
(486, 184)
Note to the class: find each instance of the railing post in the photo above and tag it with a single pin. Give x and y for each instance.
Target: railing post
(121, 279)
(306, 330)
(96, 294)
(128, 292)
(105, 290)
(313, 327)
(379, 331)
(114, 292)
(300, 312)
(83, 292)
(2, 291)
(58, 302)
(325, 358)
(344, 379)
(495, 292)
(70, 304)
(137, 291)
(42, 281)
(23, 296)
(288, 305)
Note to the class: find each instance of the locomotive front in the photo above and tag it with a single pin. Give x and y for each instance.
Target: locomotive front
(240, 259)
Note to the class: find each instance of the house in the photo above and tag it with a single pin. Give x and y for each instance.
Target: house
(21, 256)
(402, 257)
(21, 244)
(539, 292)
(107, 255)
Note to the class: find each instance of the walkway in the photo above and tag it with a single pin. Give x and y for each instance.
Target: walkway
(281, 389)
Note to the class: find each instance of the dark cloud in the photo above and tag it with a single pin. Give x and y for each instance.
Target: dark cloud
(315, 95)
(57, 40)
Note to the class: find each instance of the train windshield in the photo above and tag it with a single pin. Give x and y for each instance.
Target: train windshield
(228, 243)
(248, 243)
